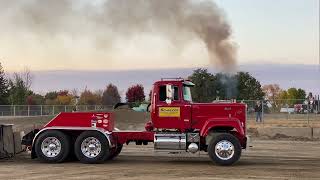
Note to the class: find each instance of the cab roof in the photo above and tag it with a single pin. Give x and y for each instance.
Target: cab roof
(175, 81)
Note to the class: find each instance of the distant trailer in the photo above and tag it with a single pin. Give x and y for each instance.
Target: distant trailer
(287, 110)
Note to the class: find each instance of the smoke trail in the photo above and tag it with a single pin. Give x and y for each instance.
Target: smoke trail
(229, 84)
(179, 21)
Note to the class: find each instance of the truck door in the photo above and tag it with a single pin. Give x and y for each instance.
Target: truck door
(172, 115)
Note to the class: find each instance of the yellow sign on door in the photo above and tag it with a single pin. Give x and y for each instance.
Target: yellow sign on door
(169, 112)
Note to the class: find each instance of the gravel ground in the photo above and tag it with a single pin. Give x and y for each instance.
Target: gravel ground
(265, 160)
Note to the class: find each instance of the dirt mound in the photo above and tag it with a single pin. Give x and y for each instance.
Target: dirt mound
(280, 136)
(130, 120)
(26, 123)
(253, 132)
(283, 136)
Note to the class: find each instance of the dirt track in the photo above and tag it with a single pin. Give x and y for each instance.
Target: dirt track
(266, 160)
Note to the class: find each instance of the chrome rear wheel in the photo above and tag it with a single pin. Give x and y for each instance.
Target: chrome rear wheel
(51, 147)
(91, 147)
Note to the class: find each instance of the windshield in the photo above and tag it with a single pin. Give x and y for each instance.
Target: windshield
(187, 93)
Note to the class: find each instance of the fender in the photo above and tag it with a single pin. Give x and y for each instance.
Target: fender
(218, 122)
(107, 134)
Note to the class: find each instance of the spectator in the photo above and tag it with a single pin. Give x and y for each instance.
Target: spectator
(258, 111)
(74, 109)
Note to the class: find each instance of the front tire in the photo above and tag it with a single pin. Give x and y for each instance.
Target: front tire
(92, 147)
(52, 146)
(224, 149)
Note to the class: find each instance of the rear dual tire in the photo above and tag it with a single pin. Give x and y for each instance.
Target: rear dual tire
(52, 146)
(92, 147)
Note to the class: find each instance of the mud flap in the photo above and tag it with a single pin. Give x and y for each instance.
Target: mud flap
(27, 140)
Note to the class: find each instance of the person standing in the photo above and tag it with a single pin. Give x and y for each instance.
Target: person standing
(258, 111)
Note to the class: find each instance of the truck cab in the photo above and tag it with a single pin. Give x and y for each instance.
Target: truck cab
(171, 105)
(172, 109)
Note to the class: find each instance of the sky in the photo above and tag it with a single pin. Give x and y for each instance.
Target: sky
(264, 32)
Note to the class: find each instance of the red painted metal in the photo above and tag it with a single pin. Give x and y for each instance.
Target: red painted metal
(123, 137)
(201, 117)
(205, 116)
(216, 123)
(103, 120)
(169, 122)
(149, 126)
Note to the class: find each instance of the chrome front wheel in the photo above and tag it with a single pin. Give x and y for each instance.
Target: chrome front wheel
(224, 150)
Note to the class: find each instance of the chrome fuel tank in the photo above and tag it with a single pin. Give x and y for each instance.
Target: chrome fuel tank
(170, 141)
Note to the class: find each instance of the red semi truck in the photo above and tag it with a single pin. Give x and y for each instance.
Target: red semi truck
(177, 124)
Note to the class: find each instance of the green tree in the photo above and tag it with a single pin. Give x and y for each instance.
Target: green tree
(111, 95)
(295, 96)
(51, 98)
(35, 99)
(207, 87)
(224, 86)
(292, 96)
(18, 90)
(249, 88)
(3, 87)
(301, 94)
(87, 97)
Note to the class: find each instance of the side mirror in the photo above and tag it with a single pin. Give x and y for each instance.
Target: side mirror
(169, 93)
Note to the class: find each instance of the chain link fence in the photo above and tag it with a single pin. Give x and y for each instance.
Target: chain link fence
(293, 110)
(46, 110)
(276, 110)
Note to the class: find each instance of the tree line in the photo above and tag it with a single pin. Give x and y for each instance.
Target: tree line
(16, 90)
(243, 87)
(240, 86)
(210, 87)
